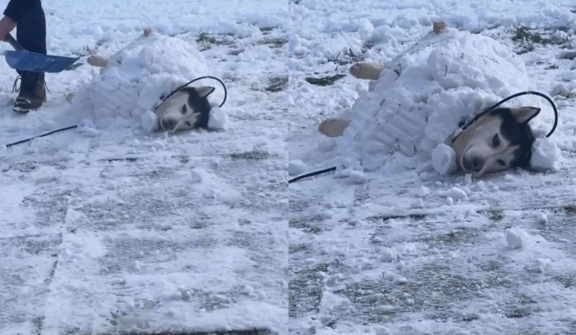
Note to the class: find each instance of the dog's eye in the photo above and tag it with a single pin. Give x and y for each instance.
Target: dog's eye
(495, 141)
(183, 111)
(501, 162)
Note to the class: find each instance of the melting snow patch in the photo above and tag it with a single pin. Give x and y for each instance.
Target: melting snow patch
(381, 330)
(388, 255)
(516, 238)
(421, 97)
(296, 167)
(456, 193)
(417, 203)
(539, 265)
(542, 218)
(196, 176)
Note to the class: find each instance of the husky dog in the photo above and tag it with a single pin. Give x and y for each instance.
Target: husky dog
(498, 140)
(187, 108)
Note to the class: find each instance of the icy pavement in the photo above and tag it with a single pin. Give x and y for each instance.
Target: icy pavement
(118, 230)
(413, 255)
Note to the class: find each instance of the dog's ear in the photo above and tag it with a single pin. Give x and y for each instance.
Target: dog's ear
(205, 91)
(525, 114)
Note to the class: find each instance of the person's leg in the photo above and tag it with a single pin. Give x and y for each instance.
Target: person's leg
(31, 34)
(31, 30)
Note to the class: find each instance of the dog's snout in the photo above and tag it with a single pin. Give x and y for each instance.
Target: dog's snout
(168, 124)
(473, 164)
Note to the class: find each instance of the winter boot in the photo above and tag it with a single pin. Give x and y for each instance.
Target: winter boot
(31, 93)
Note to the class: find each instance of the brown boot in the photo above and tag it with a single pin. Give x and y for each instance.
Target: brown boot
(32, 92)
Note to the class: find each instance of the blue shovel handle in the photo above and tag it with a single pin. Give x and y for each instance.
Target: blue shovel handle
(14, 43)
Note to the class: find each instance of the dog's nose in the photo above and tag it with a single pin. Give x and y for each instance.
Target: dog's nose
(477, 163)
(168, 124)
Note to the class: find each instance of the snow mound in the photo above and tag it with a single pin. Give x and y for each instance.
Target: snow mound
(218, 119)
(132, 83)
(544, 154)
(422, 96)
(444, 159)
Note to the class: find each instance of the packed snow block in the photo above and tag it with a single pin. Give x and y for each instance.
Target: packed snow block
(423, 94)
(135, 79)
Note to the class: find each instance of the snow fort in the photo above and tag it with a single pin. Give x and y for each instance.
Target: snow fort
(424, 93)
(135, 79)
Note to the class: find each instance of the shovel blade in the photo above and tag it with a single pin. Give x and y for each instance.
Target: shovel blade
(35, 62)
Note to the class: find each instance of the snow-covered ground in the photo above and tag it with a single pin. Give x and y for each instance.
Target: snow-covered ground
(398, 252)
(110, 229)
(116, 229)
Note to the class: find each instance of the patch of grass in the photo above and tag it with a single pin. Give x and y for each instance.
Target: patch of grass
(306, 225)
(470, 317)
(349, 57)
(569, 209)
(256, 155)
(206, 40)
(277, 84)
(517, 313)
(182, 158)
(495, 215)
(453, 239)
(566, 281)
(414, 217)
(198, 225)
(527, 38)
(325, 81)
(305, 291)
(570, 55)
(294, 248)
(124, 159)
(38, 325)
(254, 331)
(276, 42)
(266, 30)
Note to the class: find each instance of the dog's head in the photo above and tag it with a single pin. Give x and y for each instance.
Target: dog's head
(186, 109)
(500, 139)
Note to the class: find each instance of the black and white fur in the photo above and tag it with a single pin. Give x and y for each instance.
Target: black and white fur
(499, 140)
(186, 109)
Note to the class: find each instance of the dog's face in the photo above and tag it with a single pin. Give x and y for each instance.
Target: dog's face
(186, 109)
(499, 140)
